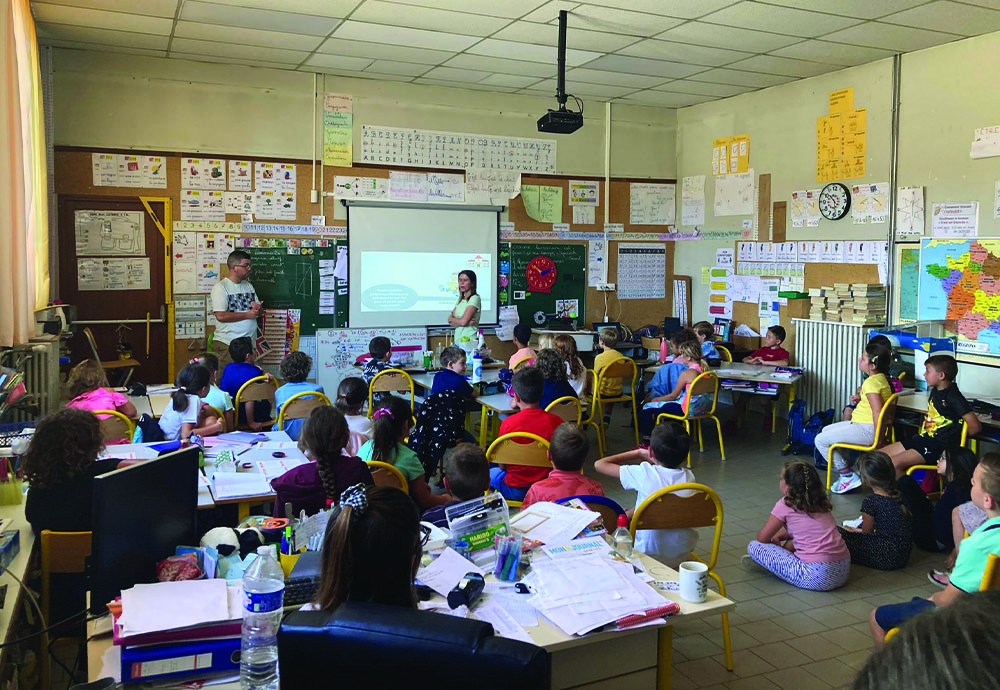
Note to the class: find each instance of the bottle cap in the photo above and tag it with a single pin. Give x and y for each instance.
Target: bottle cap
(623, 521)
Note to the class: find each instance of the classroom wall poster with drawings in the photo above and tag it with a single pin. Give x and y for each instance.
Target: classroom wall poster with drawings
(337, 349)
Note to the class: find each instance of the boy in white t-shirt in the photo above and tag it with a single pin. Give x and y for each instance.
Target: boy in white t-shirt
(659, 467)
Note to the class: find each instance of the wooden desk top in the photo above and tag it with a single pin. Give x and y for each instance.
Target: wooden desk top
(743, 372)
(917, 402)
(19, 568)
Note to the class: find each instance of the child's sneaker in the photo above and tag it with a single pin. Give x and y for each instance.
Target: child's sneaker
(939, 577)
(847, 482)
(855, 523)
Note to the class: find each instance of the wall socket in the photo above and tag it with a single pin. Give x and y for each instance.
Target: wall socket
(605, 287)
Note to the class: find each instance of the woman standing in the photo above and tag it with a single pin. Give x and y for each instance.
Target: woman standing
(465, 316)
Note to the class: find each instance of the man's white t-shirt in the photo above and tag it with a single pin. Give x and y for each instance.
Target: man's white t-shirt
(236, 297)
(670, 546)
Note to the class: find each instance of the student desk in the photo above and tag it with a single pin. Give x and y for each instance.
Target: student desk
(751, 372)
(18, 568)
(916, 401)
(498, 403)
(637, 658)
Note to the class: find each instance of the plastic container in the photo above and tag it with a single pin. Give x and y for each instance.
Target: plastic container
(621, 540)
(477, 368)
(263, 593)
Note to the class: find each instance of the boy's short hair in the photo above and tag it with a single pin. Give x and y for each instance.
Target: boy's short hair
(239, 348)
(452, 354)
(609, 337)
(670, 444)
(523, 333)
(684, 335)
(379, 347)
(295, 366)
(990, 476)
(569, 447)
(703, 328)
(529, 384)
(945, 365)
(778, 332)
(468, 471)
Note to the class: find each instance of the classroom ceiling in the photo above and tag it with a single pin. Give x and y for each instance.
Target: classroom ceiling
(667, 53)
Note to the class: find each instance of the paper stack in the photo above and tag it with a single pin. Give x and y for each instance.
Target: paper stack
(867, 304)
(817, 303)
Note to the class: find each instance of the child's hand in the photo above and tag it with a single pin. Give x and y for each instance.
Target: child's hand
(855, 399)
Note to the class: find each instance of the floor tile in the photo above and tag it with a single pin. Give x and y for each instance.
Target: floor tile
(832, 671)
(780, 655)
(796, 678)
(849, 638)
(697, 646)
(816, 647)
(832, 616)
(784, 603)
(746, 664)
(704, 672)
(754, 683)
(800, 624)
(766, 631)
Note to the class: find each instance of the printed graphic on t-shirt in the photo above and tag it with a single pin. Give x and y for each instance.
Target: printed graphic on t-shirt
(240, 301)
(935, 422)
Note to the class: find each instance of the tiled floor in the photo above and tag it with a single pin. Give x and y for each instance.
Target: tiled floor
(783, 637)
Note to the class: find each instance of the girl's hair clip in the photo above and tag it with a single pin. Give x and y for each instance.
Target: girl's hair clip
(382, 412)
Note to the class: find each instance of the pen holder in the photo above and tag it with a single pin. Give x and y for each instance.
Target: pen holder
(10, 492)
(508, 558)
(287, 561)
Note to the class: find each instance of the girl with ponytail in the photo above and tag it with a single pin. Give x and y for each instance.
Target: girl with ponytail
(180, 417)
(799, 542)
(391, 424)
(885, 538)
(331, 470)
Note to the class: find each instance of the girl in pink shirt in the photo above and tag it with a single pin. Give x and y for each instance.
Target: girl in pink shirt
(800, 542)
(87, 388)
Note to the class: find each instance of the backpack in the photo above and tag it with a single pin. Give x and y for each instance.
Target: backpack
(802, 432)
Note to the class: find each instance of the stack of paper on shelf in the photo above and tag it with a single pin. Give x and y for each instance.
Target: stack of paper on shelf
(817, 302)
(867, 304)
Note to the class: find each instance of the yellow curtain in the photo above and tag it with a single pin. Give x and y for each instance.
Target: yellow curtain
(24, 268)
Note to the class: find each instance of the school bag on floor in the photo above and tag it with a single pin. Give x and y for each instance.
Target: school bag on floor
(802, 432)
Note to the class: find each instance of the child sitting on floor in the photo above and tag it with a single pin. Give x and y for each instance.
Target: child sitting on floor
(885, 538)
(568, 452)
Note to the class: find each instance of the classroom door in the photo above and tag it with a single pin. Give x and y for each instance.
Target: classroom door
(111, 266)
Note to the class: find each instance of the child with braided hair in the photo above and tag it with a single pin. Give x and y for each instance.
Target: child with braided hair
(799, 542)
(315, 485)
(885, 538)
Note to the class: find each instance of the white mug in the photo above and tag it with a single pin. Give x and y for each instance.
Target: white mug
(693, 581)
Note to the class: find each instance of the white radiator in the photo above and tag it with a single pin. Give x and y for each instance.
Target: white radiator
(41, 375)
(828, 353)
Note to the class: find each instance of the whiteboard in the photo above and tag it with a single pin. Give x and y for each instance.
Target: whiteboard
(337, 349)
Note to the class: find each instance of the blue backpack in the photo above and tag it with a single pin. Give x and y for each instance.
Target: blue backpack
(801, 432)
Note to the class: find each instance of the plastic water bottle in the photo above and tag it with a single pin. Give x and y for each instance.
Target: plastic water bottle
(477, 367)
(480, 339)
(621, 540)
(263, 591)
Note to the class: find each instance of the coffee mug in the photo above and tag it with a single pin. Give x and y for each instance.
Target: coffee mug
(693, 581)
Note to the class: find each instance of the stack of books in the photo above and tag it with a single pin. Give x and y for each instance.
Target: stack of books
(867, 306)
(817, 303)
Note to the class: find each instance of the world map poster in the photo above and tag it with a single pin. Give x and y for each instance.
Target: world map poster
(960, 284)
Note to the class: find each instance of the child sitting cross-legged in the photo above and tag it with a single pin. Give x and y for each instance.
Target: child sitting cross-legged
(568, 452)
(659, 467)
(295, 368)
(885, 538)
(467, 476)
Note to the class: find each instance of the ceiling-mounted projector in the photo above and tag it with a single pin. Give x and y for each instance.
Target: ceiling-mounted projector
(563, 120)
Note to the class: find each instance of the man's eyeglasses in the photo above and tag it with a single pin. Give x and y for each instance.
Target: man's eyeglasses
(425, 532)
(246, 266)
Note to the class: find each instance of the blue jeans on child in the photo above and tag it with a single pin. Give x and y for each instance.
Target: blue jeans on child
(497, 482)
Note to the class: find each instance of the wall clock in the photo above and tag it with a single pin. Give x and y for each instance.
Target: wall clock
(834, 201)
(541, 274)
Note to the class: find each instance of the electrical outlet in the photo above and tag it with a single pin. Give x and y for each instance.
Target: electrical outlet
(606, 287)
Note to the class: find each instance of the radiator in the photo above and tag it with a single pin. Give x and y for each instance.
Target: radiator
(828, 353)
(41, 376)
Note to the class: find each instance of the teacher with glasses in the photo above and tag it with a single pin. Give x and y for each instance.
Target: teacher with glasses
(236, 308)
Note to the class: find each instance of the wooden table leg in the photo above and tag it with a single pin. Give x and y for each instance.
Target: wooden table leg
(664, 657)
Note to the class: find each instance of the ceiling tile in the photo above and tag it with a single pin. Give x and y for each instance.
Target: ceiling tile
(251, 18)
(527, 51)
(786, 66)
(352, 73)
(833, 53)
(75, 45)
(511, 9)
(394, 14)
(227, 60)
(703, 88)
(608, 19)
(462, 85)
(118, 21)
(732, 76)
(253, 53)
(452, 74)
(152, 8)
(502, 66)
(321, 8)
(890, 37)
(653, 68)
(254, 37)
(732, 38)
(49, 34)
(597, 76)
(339, 46)
(666, 99)
(685, 9)
(948, 16)
(340, 62)
(863, 9)
(683, 52)
(409, 69)
(401, 35)
(512, 80)
(582, 90)
(548, 35)
(782, 20)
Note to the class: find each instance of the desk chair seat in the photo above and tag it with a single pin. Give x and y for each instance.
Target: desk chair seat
(621, 368)
(300, 405)
(113, 364)
(259, 388)
(115, 425)
(608, 508)
(568, 408)
(724, 354)
(386, 474)
(61, 553)
(652, 348)
(705, 383)
(389, 381)
(701, 507)
(883, 431)
(519, 448)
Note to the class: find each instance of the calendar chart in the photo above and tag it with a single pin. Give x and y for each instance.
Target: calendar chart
(642, 268)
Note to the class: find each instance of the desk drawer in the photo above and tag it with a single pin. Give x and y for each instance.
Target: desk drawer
(585, 664)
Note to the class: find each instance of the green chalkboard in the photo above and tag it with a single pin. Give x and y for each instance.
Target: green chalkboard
(288, 277)
(526, 279)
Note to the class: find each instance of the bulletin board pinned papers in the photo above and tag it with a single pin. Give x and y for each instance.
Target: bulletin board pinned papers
(338, 129)
(841, 139)
(731, 155)
(719, 303)
(543, 203)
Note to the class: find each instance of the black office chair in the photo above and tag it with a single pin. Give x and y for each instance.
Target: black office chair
(371, 646)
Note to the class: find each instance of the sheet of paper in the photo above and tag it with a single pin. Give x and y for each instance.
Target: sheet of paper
(491, 186)
(693, 200)
(504, 624)
(239, 484)
(584, 215)
(446, 570)
(744, 288)
(584, 192)
(552, 524)
(508, 319)
(445, 187)
(338, 129)
(720, 305)
(642, 270)
(515, 604)
(734, 194)
(652, 204)
(578, 547)
(110, 233)
(160, 606)
(104, 167)
(407, 186)
(955, 219)
(543, 203)
(113, 274)
(241, 176)
(986, 142)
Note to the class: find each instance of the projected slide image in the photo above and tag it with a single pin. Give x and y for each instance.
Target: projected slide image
(426, 282)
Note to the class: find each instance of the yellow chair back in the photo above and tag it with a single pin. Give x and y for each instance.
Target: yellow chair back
(218, 414)
(567, 407)
(724, 354)
(257, 389)
(61, 552)
(520, 448)
(389, 381)
(523, 362)
(115, 426)
(385, 474)
(300, 405)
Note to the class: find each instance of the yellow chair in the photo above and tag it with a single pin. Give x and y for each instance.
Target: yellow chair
(385, 474)
(523, 362)
(519, 448)
(300, 405)
(256, 389)
(566, 407)
(652, 348)
(61, 553)
(665, 509)
(621, 368)
(115, 426)
(724, 354)
(928, 468)
(389, 381)
(218, 414)
(883, 431)
(589, 391)
(129, 363)
(705, 383)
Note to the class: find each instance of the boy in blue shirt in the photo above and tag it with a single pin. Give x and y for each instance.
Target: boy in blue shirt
(294, 370)
(239, 372)
(705, 333)
(452, 376)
